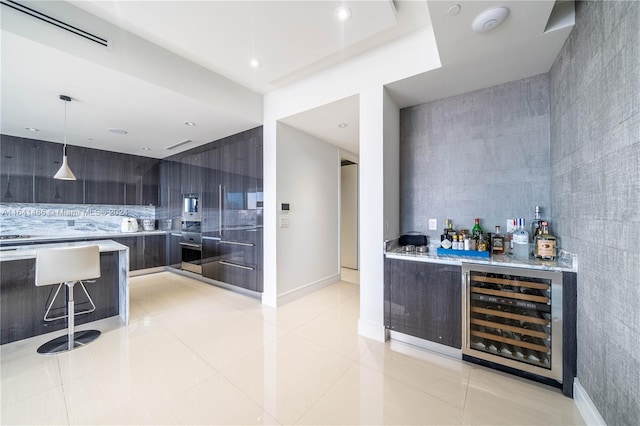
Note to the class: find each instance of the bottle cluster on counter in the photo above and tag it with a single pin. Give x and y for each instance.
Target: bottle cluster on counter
(540, 243)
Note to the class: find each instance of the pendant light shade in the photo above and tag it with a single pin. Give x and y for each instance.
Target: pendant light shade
(65, 172)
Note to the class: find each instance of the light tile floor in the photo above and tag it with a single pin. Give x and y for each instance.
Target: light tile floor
(198, 354)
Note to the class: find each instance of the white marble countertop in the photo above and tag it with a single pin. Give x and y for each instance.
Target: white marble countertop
(29, 251)
(566, 262)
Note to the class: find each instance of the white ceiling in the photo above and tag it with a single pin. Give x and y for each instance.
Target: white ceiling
(176, 61)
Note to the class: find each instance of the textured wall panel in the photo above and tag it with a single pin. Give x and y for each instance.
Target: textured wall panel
(595, 187)
(484, 154)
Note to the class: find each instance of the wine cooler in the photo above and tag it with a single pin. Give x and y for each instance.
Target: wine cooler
(514, 319)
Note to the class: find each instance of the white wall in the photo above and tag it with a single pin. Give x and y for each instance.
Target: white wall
(379, 212)
(366, 73)
(349, 216)
(308, 178)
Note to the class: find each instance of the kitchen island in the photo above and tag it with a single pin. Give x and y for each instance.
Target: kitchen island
(23, 304)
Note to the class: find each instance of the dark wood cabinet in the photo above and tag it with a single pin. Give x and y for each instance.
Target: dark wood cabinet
(154, 251)
(103, 177)
(173, 250)
(16, 170)
(170, 189)
(23, 304)
(191, 173)
(141, 176)
(145, 251)
(232, 210)
(136, 250)
(424, 300)
(48, 159)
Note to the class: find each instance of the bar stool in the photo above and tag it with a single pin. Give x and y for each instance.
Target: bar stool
(68, 266)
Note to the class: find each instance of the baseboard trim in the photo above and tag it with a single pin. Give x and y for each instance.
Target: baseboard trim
(373, 331)
(294, 294)
(426, 344)
(585, 405)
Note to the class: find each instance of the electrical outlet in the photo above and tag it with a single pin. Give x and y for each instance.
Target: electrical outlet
(433, 224)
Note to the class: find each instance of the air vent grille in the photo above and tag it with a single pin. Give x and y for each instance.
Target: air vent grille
(53, 21)
(179, 144)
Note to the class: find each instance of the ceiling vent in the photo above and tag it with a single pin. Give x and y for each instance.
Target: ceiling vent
(48, 19)
(179, 144)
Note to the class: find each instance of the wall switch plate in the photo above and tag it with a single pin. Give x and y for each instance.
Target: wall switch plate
(433, 224)
(284, 222)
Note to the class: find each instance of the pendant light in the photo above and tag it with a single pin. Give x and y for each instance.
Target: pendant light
(65, 172)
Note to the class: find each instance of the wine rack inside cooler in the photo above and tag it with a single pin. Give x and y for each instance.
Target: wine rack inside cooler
(514, 319)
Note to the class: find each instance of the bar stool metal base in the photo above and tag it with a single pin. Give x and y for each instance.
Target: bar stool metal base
(61, 344)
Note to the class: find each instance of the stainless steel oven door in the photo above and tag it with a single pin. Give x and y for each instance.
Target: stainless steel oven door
(191, 257)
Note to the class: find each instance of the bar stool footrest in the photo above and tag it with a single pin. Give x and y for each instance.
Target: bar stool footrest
(61, 344)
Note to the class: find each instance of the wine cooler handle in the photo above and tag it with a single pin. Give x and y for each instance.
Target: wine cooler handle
(465, 310)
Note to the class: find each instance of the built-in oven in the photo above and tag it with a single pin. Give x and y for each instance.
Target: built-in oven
(191, 241)
(191, 247)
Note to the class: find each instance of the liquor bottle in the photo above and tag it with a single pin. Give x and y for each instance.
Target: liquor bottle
(535, 228)
(454, 244)
(510, 236)
(497, 242)
(481, 244)
(477, 229)
(521, 242)
(446, 239)
(545, 244)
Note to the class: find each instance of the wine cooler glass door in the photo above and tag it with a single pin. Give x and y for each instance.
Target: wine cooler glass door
(514, 318)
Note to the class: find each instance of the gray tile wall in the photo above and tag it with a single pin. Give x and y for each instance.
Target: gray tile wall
(481, 154)
(595, 187)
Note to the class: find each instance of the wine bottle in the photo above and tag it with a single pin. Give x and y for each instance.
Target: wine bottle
(477, 229)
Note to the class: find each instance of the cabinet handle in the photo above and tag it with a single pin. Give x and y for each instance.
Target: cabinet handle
(176, 235)
(220, 209)
(195, 246)
(222, 262)
(236, 243)
(211, 238)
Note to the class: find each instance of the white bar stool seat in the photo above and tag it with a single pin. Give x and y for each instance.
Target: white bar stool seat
(68, 266)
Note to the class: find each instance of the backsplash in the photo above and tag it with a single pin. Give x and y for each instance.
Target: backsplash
(67, 219)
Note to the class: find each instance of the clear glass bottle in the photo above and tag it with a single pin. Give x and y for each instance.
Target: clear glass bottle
(545, 244)
(481, 243)
(510, 236)
(497, 242)
(521, 242)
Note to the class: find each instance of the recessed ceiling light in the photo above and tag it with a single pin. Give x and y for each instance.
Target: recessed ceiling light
(190, 123)
(342, 125)
(32, 129)
(343, 13)
(255, 63)
(146, 148)
(118, 131)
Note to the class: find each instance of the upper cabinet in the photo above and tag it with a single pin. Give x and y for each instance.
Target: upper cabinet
(191, 173)
(16, 170)
(103, 177)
